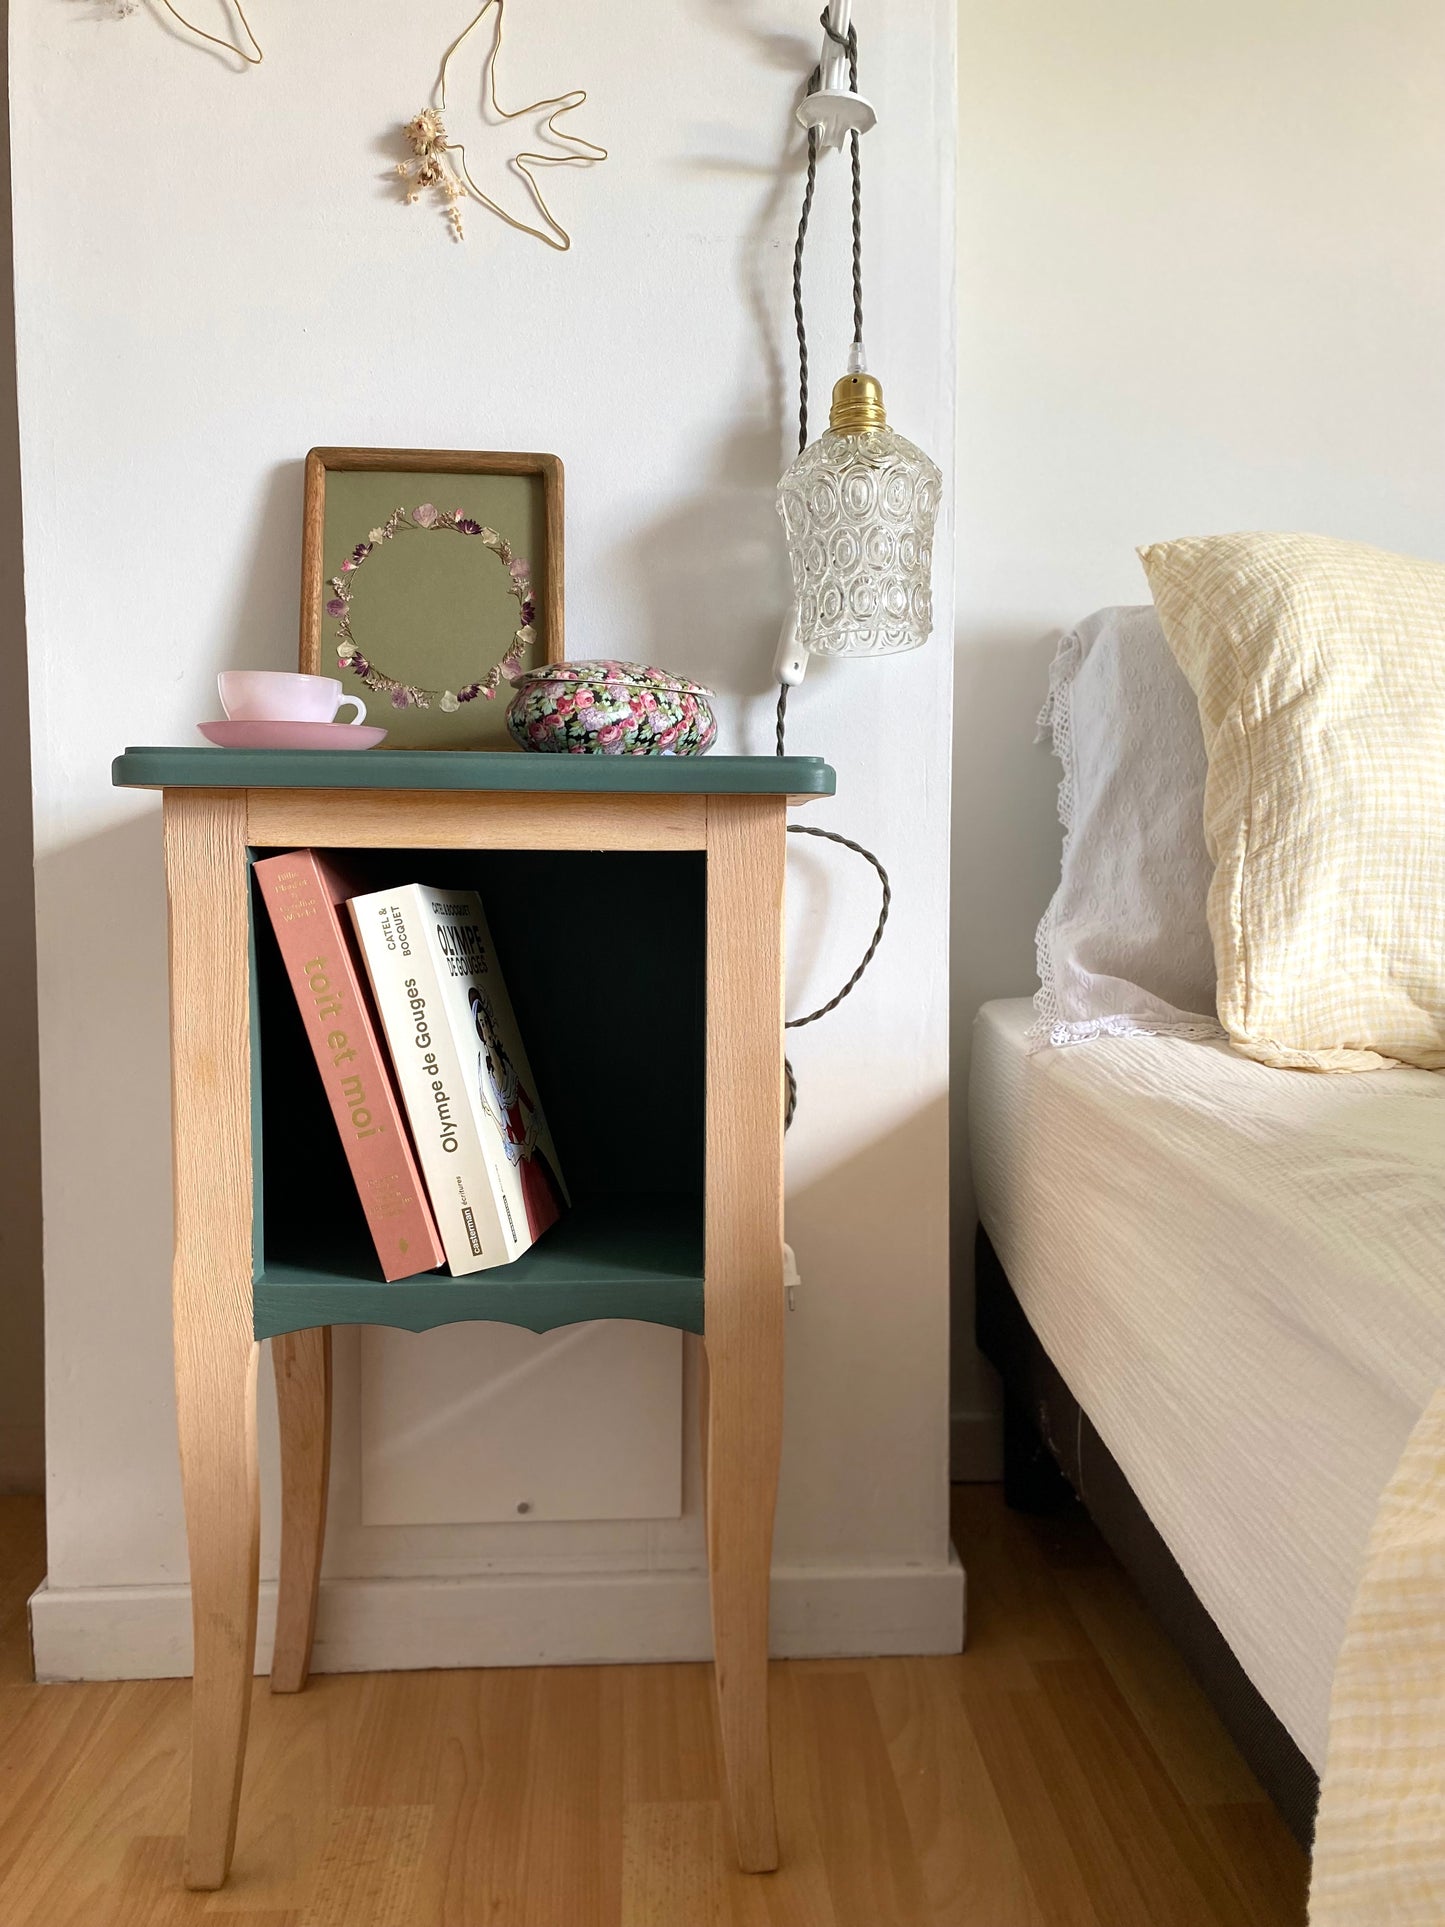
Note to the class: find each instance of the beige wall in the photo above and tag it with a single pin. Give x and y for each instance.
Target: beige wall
(21, 1383)
(1201, 287)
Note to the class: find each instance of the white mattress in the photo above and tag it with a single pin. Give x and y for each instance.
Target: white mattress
(1240, 1272)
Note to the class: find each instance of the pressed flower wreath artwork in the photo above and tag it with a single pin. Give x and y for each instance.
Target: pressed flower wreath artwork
(434, 578)
(425, 520)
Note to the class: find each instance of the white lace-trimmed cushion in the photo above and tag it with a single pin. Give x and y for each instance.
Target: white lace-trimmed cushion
(1123, 948)
(1320, 671)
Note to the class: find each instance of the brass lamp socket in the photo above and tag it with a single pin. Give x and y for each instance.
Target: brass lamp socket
(857, 405)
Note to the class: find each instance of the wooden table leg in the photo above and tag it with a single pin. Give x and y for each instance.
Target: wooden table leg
(216, 1353)
(704, 1410)
(302, 1364)
(744, 1287)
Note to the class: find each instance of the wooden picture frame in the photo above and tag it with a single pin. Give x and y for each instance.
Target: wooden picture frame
(347, 493)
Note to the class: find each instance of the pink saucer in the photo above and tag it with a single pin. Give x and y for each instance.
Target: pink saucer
(292, 735)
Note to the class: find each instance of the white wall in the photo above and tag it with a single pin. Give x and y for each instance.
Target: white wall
(22, 1405)
(1202, 287)
(213, 273)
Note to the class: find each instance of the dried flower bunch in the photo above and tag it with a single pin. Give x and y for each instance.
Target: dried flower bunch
(429, 519)
(430, 168)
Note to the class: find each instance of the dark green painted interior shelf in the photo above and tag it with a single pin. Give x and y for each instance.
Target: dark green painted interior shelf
(471, 769)
(604, 953)
(637, 1258)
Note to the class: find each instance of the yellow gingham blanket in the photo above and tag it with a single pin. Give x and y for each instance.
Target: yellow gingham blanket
(1379, 1858)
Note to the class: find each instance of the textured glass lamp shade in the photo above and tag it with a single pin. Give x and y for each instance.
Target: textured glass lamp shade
(859, 507)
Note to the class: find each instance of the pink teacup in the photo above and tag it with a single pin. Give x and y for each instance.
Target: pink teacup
(282, 696)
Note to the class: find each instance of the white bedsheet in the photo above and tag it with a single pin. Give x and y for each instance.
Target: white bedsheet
(1240, 1272)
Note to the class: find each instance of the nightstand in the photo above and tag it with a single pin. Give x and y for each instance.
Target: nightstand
(678, 864)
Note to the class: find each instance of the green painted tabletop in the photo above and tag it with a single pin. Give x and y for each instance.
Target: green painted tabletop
(471, 769)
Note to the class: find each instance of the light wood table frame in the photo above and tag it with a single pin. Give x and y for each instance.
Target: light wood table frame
(209, 833)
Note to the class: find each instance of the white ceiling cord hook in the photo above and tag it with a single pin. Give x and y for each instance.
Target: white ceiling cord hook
(835, 110)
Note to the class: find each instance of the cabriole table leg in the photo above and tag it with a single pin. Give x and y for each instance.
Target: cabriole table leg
(302, 1364)
(216, 1354)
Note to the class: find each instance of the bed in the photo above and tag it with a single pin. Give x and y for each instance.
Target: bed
(1218, 1289)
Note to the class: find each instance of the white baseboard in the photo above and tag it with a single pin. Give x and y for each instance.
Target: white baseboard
(975, 1448)
(395, 1625)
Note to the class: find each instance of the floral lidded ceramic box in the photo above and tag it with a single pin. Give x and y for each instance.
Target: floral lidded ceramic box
(610, 708)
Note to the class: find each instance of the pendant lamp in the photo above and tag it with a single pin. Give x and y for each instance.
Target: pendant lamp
(860, 503)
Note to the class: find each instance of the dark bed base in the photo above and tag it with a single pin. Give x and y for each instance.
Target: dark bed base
(1051, 1451)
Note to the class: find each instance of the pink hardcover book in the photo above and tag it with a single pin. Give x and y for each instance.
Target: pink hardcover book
(301, 893)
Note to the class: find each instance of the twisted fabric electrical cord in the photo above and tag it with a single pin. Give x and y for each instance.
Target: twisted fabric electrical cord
(804, 829)
(796, 1023)
(814, 81)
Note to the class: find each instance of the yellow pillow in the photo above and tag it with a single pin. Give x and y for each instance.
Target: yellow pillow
(1320, 672)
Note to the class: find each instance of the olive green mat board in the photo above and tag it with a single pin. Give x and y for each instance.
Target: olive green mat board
(431, 607)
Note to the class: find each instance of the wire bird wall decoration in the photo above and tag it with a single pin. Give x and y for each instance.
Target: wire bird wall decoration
(439, 163)
(122, 9)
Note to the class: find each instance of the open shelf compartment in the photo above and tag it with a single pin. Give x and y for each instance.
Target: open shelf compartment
(604, 955)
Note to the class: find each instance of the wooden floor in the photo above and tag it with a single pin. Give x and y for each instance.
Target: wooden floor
(1062, 1773)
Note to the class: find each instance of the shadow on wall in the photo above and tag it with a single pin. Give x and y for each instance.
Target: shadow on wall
(1005, 809)
(264, 620)
(1005, 863)
(712, 575)
(102, 905)
(22, 1401)
(868, 1310)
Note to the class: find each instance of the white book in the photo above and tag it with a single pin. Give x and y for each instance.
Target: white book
(485, 1151)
